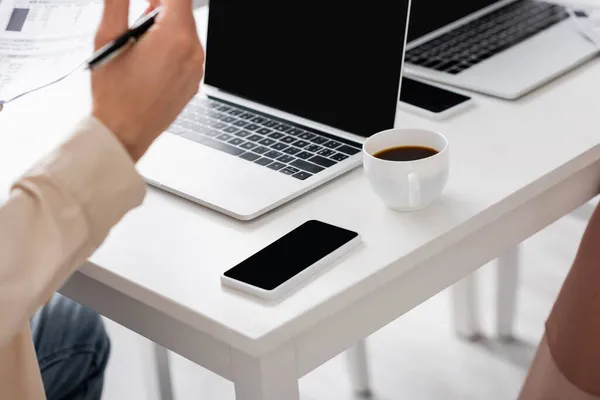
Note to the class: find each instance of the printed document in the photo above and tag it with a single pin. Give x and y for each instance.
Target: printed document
(41, 40)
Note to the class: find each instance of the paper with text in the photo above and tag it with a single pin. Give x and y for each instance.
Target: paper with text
(42, 40)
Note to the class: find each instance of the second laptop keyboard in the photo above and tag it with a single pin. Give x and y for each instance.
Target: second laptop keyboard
(484, 37)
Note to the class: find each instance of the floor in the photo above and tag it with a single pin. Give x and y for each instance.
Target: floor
(417, 357)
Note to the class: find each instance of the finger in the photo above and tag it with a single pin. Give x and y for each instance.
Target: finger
(179, 12)
(115, 18)
(152, 5)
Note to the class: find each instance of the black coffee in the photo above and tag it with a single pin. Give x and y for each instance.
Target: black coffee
(406, 153)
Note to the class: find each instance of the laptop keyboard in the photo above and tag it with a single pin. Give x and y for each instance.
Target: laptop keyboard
(484, 37)
(262, 139)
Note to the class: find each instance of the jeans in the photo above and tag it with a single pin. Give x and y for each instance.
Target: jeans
(72, 349)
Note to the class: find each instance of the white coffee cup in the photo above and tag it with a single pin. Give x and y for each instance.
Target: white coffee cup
(407, 185)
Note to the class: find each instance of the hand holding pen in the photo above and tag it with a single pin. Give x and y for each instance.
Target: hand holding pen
(143, 76)
(104, 54)
(139, 93)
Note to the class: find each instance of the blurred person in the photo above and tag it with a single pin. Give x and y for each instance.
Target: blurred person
(62, 209)
(567, 363)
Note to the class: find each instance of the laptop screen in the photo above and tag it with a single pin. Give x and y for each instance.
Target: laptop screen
(427, 16)
(328, 61)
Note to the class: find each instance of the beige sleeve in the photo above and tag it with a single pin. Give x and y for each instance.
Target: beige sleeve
(58, 213)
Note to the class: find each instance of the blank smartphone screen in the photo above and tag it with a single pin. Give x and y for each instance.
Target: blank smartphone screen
(290, 255)
(429, 97)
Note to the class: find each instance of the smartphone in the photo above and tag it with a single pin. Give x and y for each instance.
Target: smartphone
(291, 260)
(431, 101)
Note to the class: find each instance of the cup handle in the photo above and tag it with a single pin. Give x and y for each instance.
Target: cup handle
(414, 190)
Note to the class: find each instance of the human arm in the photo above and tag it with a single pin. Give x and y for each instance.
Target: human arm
(58, 213)
(63, 208)
(567, 361)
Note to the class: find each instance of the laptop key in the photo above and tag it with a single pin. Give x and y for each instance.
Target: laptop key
(276, 165)
(326, 152)
(304, 155)
(211, 132)
(292, 150)
(242, 133)
(322, 161)
(241, 123)
(217, 125)
(221, 146)
(319, 140)
(248, 146)
(263, 161)
(339, 157)
(286, 159)
(296, 131)
(276, 135)
(270, 123)
(306, 166)
(300, 143)
(214, 115)
(264, 131)
(260, 150)
(186, 123)
(224, 137)
(302, 175)
(203, 120)
(267, 142)
(247, 115)
(255, 138)
(231, 129)
(249, 156)
(273, 154)
(446, 65)
(289, 170)
(307, 136)
(258, 120)
(288, 139)
(282, 128)
(236, 141)
(348, 150)
(313, 148)
(228, 119)
(279, 146)
(332, 144)
(252, 127)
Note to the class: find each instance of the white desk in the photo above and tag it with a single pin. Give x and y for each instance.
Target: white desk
(515, 168)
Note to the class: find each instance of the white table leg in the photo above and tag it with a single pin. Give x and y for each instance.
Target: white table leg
(506, 295)
(465, 308)
(163, 372)
(271, 377)
(359, 369)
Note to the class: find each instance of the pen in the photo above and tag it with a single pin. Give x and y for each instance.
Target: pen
(115, 47)
(106, 53)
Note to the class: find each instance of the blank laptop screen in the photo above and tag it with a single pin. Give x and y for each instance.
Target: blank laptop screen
(335, 62)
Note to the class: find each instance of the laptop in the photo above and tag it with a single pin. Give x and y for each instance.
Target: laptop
(500, 48)
(291, 89)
